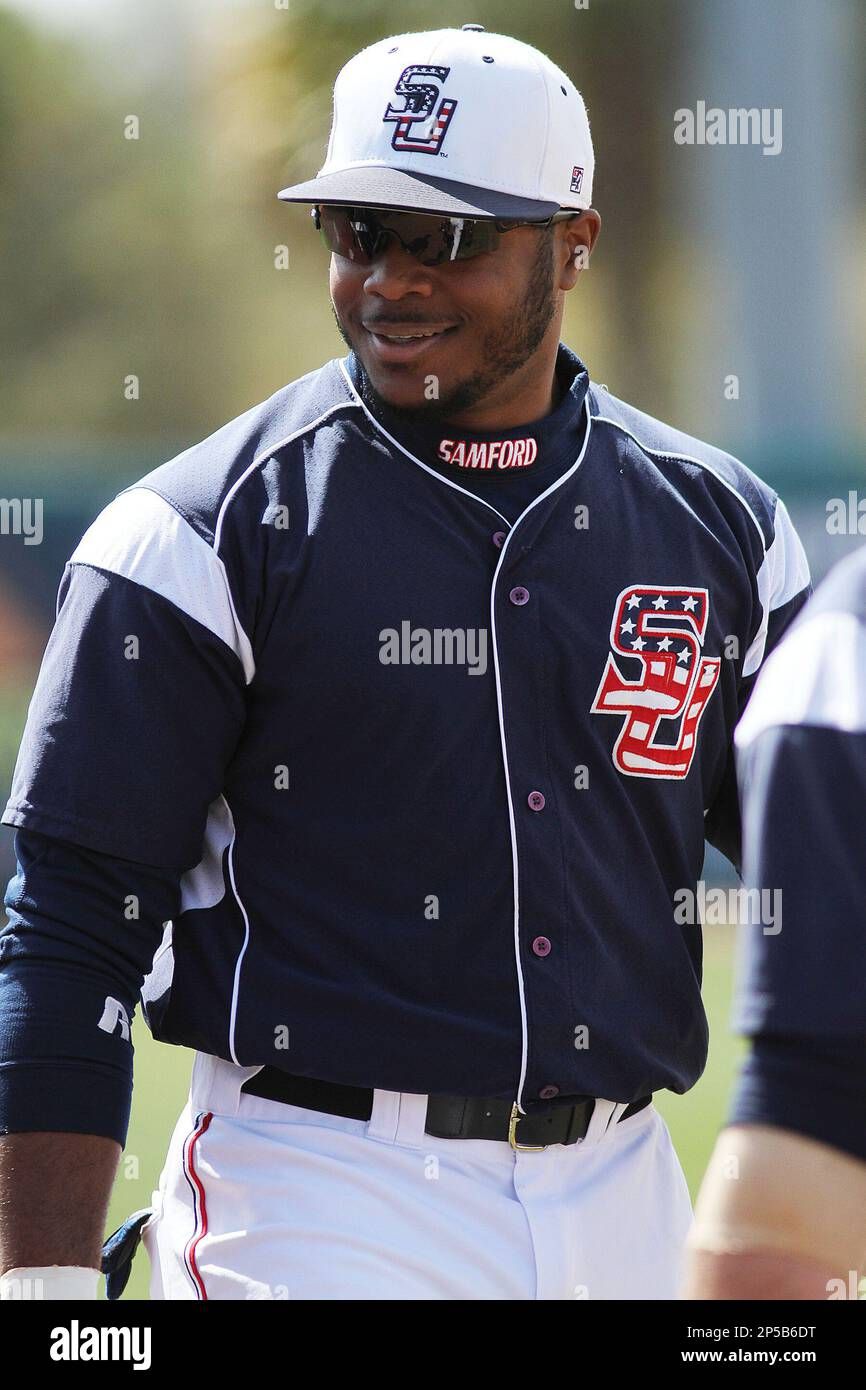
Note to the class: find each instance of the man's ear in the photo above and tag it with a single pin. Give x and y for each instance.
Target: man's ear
(581, 234)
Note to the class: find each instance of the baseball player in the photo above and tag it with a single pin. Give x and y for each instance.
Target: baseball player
(374, 738)
(799, 1108)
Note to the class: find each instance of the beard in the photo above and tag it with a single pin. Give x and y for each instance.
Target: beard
(505, 348)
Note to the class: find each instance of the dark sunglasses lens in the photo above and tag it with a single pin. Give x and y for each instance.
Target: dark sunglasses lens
(344, 234)
(435, 240)
(425, 238)
(476, 239)
(355, 233)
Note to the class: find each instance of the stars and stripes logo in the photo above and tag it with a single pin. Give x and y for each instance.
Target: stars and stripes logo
(420, 128)
(663, 628)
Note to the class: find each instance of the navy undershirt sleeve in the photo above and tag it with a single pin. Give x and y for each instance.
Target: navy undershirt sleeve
(801, 993)
(813, 1088)
(81, 934)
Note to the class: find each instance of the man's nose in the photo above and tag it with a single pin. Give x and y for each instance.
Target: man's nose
(394, 272)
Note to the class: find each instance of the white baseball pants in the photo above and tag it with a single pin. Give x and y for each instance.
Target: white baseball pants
(264, 1200)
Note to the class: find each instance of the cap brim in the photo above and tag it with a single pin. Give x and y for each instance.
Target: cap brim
(385, 187)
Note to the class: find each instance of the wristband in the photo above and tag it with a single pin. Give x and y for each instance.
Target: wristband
(50, 1284)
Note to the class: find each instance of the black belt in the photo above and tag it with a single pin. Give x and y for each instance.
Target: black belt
(448, 1117)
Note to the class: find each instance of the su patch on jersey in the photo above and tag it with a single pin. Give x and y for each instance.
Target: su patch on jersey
(663, 628)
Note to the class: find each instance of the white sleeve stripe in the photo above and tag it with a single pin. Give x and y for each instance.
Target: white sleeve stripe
(816, 676)
(140, 536)
(784, 573)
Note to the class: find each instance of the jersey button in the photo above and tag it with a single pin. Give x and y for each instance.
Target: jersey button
(498, 538)
(548, 1092)
(535, 801)
(541, 946)
(519, 596)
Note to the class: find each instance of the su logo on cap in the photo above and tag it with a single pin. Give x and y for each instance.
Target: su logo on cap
(421, 98)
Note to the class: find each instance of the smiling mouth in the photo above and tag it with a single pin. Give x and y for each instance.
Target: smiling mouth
(408, 337)
(394, 345)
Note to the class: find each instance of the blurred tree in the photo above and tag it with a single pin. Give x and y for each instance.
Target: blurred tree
(155, 256)
(99, 269)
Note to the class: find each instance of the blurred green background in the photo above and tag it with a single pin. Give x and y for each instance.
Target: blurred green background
(141, 148)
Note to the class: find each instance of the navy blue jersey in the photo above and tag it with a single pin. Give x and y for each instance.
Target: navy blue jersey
(801, 753)
(429, 770)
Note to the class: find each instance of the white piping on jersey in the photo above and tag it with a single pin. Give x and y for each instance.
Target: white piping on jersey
(268, 454)
(449, 482)
(686, 458)
(557, 483)
(236, 982)
(232, 633)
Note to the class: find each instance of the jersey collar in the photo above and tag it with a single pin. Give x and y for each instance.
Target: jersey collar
(542, 447)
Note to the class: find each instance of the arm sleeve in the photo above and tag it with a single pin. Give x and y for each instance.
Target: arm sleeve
(811, 1087)
(138, 708)
(801, 987)
(81, 933)
(784, 586)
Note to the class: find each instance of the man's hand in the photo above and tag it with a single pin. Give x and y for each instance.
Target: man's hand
(54, 1195)
(778, 1216)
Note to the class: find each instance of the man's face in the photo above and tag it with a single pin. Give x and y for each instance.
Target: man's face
(490, 314)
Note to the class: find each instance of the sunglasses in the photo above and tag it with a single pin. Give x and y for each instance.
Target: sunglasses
(359, 233)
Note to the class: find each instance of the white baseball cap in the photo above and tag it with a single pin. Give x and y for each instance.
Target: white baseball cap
(455, 121)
